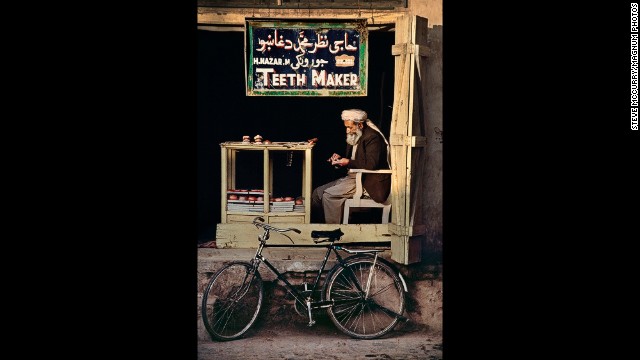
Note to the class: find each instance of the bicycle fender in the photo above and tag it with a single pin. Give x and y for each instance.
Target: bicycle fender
(390, 264)
(404, 284)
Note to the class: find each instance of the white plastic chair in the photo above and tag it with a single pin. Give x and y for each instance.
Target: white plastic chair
(358, 201)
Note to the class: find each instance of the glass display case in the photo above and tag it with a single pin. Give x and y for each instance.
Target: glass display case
(247, 184)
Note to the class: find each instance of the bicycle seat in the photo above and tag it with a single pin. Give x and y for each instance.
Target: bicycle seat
(331, 234)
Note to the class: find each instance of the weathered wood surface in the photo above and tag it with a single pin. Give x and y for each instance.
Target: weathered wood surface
(306, 185)
(407, 135)
(417, 120)
(306, 4)
(271, 218)
(398, 139)
(246, 235)
(224, 185)
(236, 16)
(399, 124)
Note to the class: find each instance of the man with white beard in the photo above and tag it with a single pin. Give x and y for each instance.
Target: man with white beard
(367, 149)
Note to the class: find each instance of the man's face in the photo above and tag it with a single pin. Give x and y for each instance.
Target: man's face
(352, 127)
(354, 131)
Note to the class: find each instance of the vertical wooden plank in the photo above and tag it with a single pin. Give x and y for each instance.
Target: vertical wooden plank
(410, 117)
(418, 113)
(398, 249)
(307, 186)
(417, 129)
(266, 178)
(231, 168)
(408, 123)
(304, 174)
(223, 184)
(399, 121)
(398, 132)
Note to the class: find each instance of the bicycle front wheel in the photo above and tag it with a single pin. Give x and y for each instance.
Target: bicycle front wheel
(232, 300)
(368, 300)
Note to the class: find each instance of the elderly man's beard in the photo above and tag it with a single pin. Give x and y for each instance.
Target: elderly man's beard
(353, 138)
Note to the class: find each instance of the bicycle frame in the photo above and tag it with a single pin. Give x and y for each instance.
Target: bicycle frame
(309, 303)
(363, 293)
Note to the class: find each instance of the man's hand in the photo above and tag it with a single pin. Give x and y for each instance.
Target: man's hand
(338, 160)
(333, 158)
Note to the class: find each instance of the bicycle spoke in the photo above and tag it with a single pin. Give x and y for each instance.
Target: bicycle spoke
(380, 291)
(385, 310)
(232, 301)
(226, 315)
(352, 315)
(352, 280)
(371, 317)
(226, 319)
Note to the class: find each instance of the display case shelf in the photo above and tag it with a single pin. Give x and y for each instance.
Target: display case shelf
(263, 207)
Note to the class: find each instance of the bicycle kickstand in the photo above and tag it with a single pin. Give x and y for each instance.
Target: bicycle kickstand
(311, 321)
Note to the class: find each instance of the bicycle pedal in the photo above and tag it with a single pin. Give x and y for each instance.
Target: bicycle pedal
(311, 323)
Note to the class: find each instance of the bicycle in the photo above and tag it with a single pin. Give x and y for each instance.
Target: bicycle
(363, 294)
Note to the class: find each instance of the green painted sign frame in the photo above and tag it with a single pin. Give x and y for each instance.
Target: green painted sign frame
(306, 57)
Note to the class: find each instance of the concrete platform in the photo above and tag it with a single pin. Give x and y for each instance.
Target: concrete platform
(284, 259)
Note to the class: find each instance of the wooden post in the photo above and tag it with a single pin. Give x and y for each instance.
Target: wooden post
(307, 185)
(399, 128)
(267, 179)
(223, 184)
(407, 136)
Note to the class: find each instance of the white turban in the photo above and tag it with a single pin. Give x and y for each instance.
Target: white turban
(355, 115)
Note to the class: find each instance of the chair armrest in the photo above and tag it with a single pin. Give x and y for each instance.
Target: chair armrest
(383, 171)
(359, 172)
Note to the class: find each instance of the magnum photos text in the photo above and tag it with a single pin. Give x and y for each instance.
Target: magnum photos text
(634, 66)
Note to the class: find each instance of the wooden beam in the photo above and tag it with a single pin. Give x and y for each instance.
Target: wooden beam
(221, 28)
(414, 230)
(238, 28)
(245, 235)
(420, 50)
(404, 140)
(306, 4)
(227, 16)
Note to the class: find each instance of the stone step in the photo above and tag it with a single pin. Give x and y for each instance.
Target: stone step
(293, 260)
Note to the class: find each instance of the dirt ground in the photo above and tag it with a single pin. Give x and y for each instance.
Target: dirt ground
(281, 333)
(293, 339)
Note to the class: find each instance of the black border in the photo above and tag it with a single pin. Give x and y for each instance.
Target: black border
(537, 145)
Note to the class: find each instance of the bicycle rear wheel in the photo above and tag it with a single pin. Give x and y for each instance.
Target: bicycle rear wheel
(231, 301)
(356, 313)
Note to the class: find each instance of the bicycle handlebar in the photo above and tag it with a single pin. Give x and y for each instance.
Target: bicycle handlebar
(270, 227)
